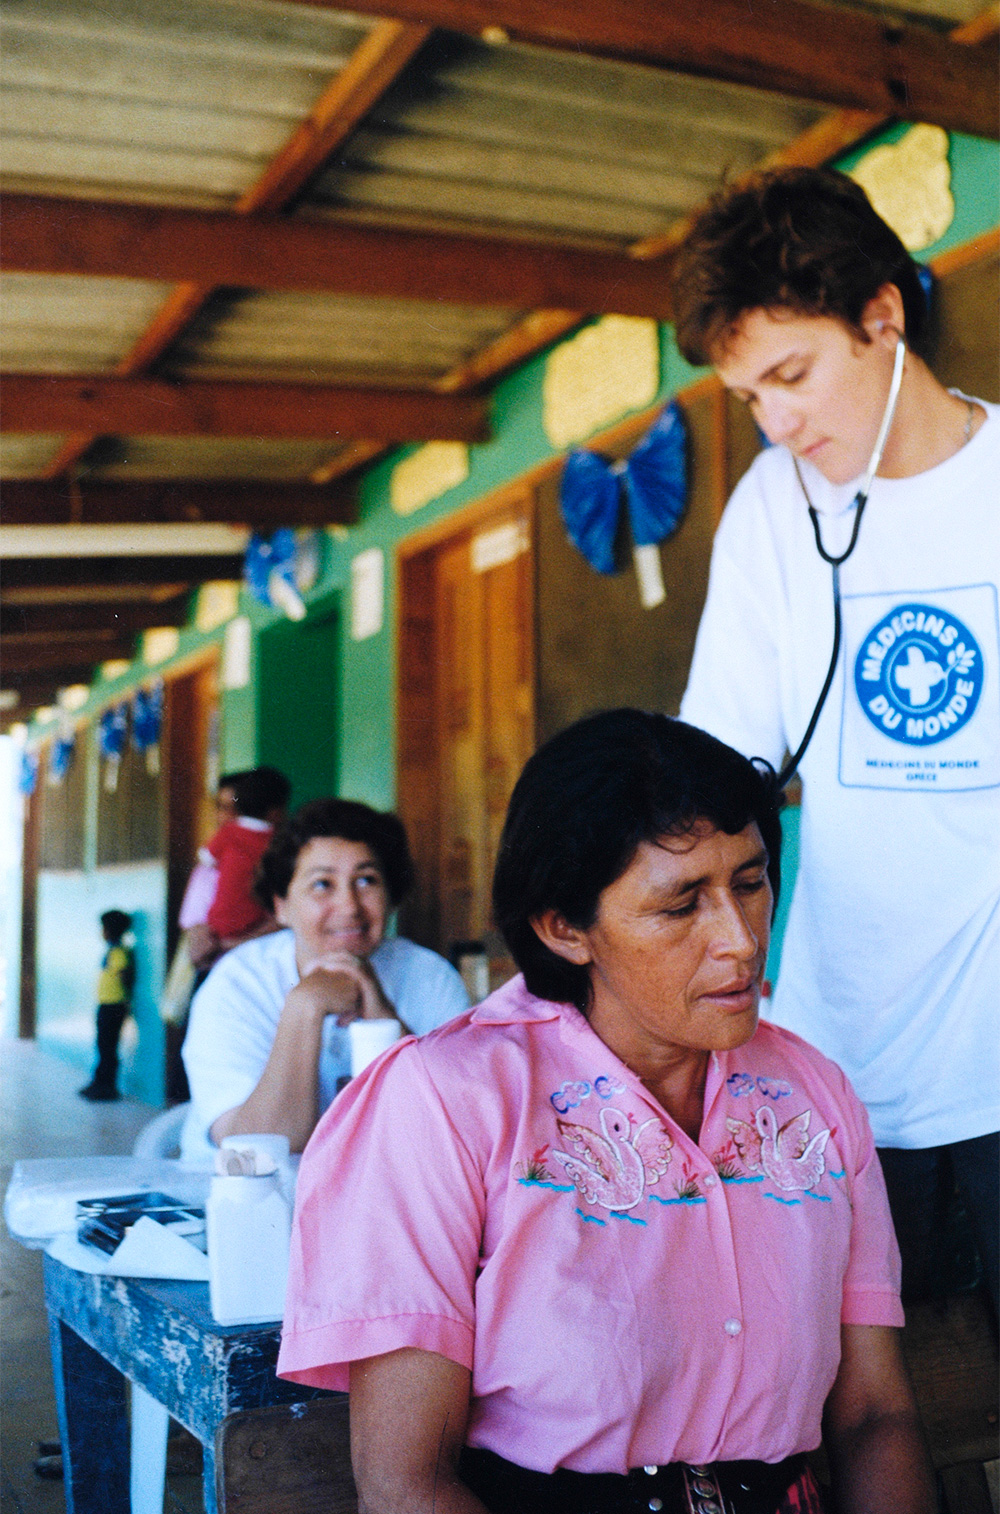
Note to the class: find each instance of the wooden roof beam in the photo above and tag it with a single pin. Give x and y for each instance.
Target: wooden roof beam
(71, 619)
(89, 578)
(32, 654)
(92, 594)
(38, 403)
(32, 502)
(843, 57)
(43, 234)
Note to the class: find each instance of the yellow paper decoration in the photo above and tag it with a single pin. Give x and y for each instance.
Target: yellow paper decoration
(218, 602)
(426, 474)
(609, 369)
(159, 644)
(908, 184)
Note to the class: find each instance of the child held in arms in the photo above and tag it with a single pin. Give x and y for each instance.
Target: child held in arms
(250, 804)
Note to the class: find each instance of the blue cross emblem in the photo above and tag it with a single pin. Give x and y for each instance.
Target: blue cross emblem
(919, 674)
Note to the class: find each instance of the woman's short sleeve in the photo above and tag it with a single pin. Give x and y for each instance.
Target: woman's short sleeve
(872, 1279)
(388, 1228)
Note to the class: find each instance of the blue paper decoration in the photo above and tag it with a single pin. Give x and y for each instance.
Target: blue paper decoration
(655, 487)
(27, 778)
(279, 569)
(147, 716)
(112, 729)
(60, 756)
(589, 499)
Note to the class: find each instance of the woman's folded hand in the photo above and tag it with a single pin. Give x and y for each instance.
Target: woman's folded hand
(347, 986)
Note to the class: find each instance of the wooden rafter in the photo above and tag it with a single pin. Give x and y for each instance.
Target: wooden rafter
(31, 502)
(832, 54)
(72, 619)
(43, 234)
(89, 578)
(39, 403)
(42, 594)
(346, 461)
(32, 654)
(376, 62)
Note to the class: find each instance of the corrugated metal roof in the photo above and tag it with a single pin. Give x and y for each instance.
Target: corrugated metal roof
(316, 338)
(141, 457)
(178, 103)
(551, 143)
(62, 324)
(26, 456)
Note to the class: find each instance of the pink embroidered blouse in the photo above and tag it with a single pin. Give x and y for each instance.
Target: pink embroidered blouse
(505, 1192)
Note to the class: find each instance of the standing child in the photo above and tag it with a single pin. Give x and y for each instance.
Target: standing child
(114, 1002)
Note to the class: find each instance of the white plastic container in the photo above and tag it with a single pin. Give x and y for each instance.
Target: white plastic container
(368, 1039)
(248, 1223)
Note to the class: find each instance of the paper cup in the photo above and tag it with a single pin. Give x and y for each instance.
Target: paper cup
(368, 1039)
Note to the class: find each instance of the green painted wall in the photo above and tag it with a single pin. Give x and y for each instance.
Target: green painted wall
(297, 694)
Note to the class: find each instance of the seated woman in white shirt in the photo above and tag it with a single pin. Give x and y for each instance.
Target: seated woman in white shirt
(266, 1049)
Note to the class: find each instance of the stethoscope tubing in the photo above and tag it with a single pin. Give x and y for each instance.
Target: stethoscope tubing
(860, 501)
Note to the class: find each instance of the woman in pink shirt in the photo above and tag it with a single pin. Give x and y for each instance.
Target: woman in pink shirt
(606, 1243)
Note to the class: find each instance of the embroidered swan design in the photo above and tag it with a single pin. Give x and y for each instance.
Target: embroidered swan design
(613, 1169)
(786, 1154)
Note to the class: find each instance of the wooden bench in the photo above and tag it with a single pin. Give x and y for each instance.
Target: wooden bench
(951, 1351)
(287, 1459)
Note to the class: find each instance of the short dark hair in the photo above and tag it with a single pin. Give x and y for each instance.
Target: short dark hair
(584, 804)
(801, 239)
(351, 821)
(115, 922)
(257, 791)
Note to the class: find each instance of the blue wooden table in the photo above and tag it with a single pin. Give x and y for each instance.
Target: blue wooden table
(160, 1335)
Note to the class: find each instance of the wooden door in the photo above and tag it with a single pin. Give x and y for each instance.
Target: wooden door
(466, 713)
(190, 763)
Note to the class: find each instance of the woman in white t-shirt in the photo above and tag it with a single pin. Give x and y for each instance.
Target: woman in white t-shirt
(811, 311)
(266, 1048)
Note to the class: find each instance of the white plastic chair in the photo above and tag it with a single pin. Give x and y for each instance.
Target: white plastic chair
(162, 1136)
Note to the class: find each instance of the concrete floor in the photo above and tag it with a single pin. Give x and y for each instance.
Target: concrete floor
(41, 1115)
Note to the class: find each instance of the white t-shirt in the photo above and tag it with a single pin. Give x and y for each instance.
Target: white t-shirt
(891, 957)
(235, 1013)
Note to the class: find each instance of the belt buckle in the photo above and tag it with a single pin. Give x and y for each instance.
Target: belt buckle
(701, 1487)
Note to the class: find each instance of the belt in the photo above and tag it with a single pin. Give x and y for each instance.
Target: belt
(733, 1487)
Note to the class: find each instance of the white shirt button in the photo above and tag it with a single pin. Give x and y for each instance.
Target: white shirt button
(711, 1180)
(655, 1504)
(651, 1471)
(732, 1327)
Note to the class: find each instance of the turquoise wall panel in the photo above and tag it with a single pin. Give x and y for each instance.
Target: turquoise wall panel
(789, 868)
(70, 952)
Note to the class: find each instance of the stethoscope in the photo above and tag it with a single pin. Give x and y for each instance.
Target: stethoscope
(860, 501)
